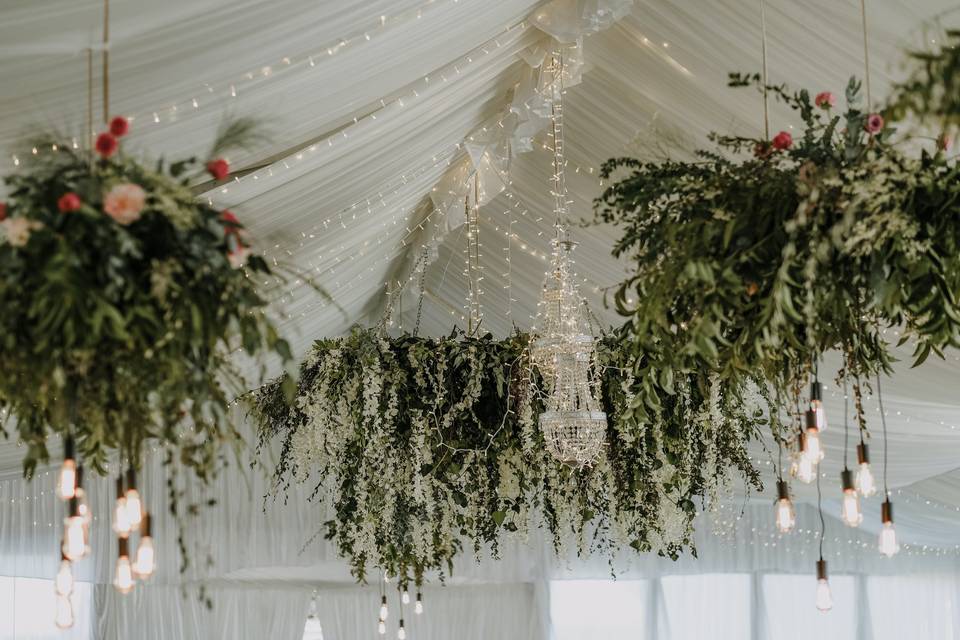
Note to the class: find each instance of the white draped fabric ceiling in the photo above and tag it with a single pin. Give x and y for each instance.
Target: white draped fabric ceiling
(378, 114)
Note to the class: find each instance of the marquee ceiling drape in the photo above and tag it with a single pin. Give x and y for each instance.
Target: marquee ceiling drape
(378, 112)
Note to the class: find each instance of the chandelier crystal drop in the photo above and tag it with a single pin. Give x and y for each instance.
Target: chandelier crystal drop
(563, 350)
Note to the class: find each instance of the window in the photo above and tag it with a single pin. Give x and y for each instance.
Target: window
(912, 607)
(599, 609)
(714, 606)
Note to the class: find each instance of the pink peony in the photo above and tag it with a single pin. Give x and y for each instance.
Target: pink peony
(825, 100)
(238, 256)
(68, 202)
(124, 203)
(18, 230)
(874, 123)
(782, 140)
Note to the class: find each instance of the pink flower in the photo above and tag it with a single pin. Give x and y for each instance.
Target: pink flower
(782, 140)
(218, 168)
(944, 142)
(68, 202)
(119, 126)
(874, 123)
(124, 203)
(825, 100)
(18, 230)
(3, 211)
(106, 144)
(238, 256)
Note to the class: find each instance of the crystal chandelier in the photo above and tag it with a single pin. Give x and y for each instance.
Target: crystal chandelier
(573, 425)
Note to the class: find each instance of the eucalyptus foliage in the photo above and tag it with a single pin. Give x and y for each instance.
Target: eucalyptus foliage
(749, 266)
(424, 448)
(118, 329)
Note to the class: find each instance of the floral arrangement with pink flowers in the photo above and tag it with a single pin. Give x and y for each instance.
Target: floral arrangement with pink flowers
(124, 296)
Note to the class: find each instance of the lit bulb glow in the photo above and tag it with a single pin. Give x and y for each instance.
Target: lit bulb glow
(850, 510)
(123, 578)
(145, 563)
(63, 612)
(806, 471)
(418, 607)
(866, 484)
(401, 633)
(888, 540)
(381, 627)
(134, 509)
(811, 446)
(67, 480)
(384, 611)
(121, 518)
(405, 598)
(74, 539)
(63, 584)
(824, 598)
(817, 407)
(786, 517)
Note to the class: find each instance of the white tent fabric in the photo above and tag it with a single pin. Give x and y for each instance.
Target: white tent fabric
(379, 112)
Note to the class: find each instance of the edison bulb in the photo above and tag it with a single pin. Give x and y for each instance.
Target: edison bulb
(806, 470)
(786, 517)
(405, 598)
(143, 566)
(866, 483)
(123, 578)
(888, 540)
(381, 627)
(401, 632)
(121, 518)
(63, 584)
(384, 611)
(418, 607)
(811, 446)
(824, 598)
(74, 540)
(134, 509)
(850, 510)
(817, 407)
(63, 612)
(67, 480)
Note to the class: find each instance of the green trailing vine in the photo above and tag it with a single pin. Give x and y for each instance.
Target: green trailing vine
(424, 449)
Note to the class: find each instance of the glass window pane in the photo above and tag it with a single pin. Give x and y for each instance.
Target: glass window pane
(715, 606)
(790, 613)
(27, 610)
(598, 609)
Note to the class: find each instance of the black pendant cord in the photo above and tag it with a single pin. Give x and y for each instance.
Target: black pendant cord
(846, 425)
(883, 421)
(780, 456)
(823, 524)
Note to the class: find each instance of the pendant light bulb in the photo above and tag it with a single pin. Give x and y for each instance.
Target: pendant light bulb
(850, 510)
(134, 508)
(786, 517)
(67, 477)
(405, 598)
(401, 632)
(381, 627)
(145, 562)
(811, 440)
(121, 518)
(74, 538)
(824, 599)
(816, 405)
(866, 483)
(123, 578)
(888, 535)
(384, 610)
(63, 612)
(63, 584)
(418, 607)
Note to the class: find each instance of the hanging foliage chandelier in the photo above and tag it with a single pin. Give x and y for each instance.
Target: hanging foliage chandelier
(573, 425)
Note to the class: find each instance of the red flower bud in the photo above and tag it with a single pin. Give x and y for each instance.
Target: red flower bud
(119, 126)
(782, 140)
(68, 202)
(106, 144)
(218, 168)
